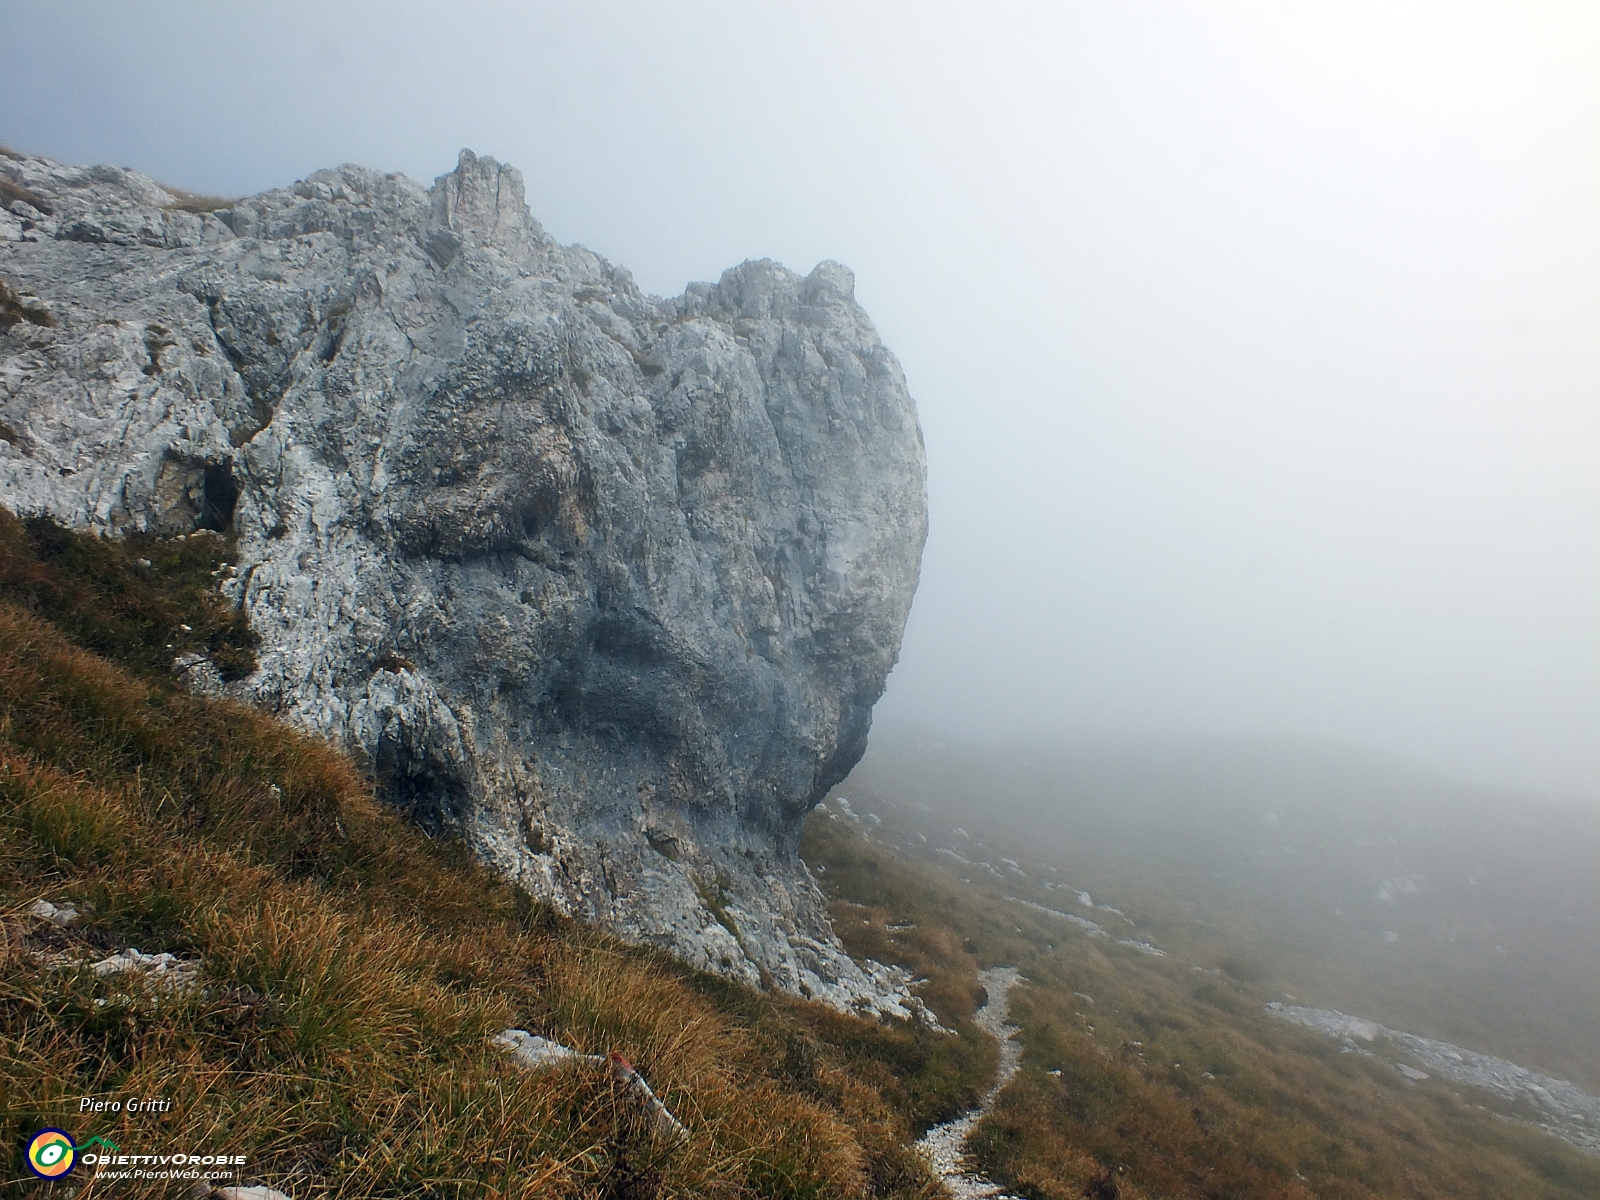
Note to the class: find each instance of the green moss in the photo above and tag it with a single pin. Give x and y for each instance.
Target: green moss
(715, 897)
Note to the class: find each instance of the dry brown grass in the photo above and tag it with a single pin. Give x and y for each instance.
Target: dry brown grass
(10, 191)
(194, 202)
(1174, 1084)
(1213, 1103)
(139, 601)
(14, 310)
(342, 1039)
(355, 971)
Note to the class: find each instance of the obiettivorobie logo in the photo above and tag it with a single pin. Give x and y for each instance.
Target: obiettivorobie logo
(52, 1153)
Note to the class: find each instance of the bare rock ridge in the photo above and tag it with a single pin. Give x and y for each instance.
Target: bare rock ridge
(605, 583)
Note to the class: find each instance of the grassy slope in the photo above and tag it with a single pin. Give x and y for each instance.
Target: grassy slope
(354, 970)
(1172, 1083)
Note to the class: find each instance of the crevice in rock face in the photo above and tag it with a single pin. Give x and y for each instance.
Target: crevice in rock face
(156, 339)
(260, 412)
(334, 326)
(81, 231)
(332, 340)
(441, 246)
(234, 357)
(263, 369)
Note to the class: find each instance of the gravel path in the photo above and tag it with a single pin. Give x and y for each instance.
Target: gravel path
(943, 1145)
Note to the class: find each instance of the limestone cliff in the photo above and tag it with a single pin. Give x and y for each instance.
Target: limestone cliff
(604, 583)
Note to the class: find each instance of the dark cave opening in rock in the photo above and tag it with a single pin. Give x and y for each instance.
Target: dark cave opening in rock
(219, 496)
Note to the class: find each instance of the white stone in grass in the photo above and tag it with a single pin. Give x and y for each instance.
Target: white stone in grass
(63, 915)
(164, 970)
(537, 1053)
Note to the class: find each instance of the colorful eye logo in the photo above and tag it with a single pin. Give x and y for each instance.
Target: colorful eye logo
(51, 1153)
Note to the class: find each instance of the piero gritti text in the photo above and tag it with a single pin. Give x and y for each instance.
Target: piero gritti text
(125, 1104)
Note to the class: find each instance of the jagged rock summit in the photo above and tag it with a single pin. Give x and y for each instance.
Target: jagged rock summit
(606, 583)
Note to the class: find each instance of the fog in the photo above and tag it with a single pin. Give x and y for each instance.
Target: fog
(1255, 345)
(1456, 910)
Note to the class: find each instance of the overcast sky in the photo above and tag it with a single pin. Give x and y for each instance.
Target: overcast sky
(1257, 346)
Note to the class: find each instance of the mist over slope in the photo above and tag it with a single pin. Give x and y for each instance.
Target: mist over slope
(1340, 879)
(1158, 1061)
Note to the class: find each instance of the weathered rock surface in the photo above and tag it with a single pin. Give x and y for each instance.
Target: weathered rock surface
(608, 584)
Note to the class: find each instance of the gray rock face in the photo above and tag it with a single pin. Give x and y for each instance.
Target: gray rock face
(608, 584)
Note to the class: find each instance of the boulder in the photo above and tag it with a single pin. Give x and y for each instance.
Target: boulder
(605, 584)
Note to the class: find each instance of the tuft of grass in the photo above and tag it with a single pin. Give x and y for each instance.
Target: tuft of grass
(10, 191)
(192, 202)
(714, 896)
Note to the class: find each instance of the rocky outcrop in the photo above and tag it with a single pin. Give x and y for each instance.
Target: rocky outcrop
(606, 584)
